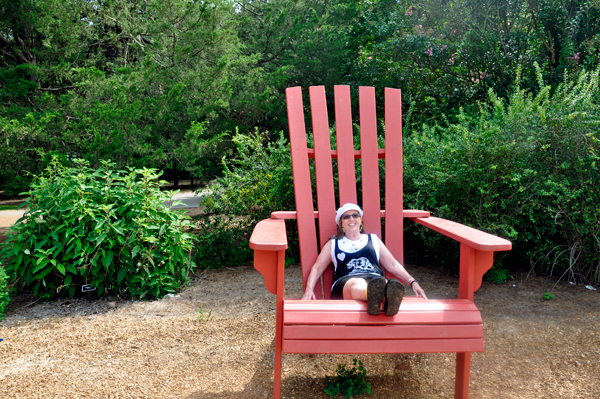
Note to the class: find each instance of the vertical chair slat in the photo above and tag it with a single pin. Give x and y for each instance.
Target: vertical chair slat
(307, 234)
(324, 173)
(394, 225)
(345, 145)
(370, 161)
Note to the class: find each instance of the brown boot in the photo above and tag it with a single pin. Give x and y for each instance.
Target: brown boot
(375, 292)
(394, 292)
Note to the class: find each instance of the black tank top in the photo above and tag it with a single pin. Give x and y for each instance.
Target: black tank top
(363, 261)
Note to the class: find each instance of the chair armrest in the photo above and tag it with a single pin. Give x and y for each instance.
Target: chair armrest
(269, 242)
(476, 251)
(269, 235)
(473, 238)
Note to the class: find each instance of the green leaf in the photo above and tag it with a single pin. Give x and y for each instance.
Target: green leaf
(41, 263)
(100, 239)
(42, 274)
(71, 268)
(121, 275)
(108, 257)
(60, 268)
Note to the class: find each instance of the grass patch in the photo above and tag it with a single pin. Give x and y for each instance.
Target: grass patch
(10, 207)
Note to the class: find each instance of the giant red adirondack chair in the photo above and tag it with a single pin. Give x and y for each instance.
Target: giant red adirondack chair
(333, 326)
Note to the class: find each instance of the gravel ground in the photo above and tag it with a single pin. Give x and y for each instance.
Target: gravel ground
(113, 348)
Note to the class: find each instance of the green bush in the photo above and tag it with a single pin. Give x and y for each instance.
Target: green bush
(348, 382)
(255, 183)
(106, 228)
(3, 294)
(526, 170)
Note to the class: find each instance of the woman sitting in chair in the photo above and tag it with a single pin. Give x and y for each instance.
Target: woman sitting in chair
(356, 258)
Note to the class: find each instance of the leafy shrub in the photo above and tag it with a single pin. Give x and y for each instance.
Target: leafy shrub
(526, 170)
(348, 382)
(106, 228)
(4, 298)
(498, 275)
(255, 183)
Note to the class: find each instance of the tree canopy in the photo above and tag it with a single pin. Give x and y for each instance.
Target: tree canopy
(150, 83)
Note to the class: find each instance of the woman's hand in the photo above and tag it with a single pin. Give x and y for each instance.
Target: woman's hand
(308, 295)
(418, 290)
(323, 261)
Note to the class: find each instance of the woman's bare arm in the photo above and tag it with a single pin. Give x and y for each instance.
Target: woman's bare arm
(388, 261)
(317, 270)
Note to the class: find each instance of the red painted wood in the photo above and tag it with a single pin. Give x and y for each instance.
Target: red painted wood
(269, 235)
(345, 145)
(370, 163)
(324, 174)
(324, 326)
(279, 323)
(268, 239)
(357, 153)
(383, 346)
(484, 260)
(408, 213)
(463, 368)
(383, 332)
(362, 318)
(265, 262)
(410, 303)
(472, 237)
(323, 165)
(466, 285)
(394, 226)
(303, 191)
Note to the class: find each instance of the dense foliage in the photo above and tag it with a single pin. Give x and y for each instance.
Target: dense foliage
(100, 227)
(3, 294)
(525, 169)
(256, 182)
(151, 83)
(164, 84)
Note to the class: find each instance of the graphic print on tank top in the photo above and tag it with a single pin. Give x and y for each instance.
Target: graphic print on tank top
(363, 261)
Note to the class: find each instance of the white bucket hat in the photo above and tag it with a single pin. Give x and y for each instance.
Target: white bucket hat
(345, 208)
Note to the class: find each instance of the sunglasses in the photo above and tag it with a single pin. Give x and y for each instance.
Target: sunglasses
(354, 216)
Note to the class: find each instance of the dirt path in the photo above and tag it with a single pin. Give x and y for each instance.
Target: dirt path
(113, 348)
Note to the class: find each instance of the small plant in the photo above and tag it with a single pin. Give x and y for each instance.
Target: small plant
(498, 276)
(548, 296)
(348, 382)
(4, 298)
(202, 316)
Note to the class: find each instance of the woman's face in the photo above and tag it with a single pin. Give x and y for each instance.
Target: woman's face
(351, 221)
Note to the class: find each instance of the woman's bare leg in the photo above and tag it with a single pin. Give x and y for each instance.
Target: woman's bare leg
(355, 288)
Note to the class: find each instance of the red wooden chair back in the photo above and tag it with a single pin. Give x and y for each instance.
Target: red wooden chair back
(368, 155)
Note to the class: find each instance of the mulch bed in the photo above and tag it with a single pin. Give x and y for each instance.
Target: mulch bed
(114, 348)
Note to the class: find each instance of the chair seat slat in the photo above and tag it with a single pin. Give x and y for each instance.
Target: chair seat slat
(383, 332)
(409, 303)
(383, 346)
(363, 318)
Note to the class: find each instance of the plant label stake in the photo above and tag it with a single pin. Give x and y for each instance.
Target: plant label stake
(88, 288)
